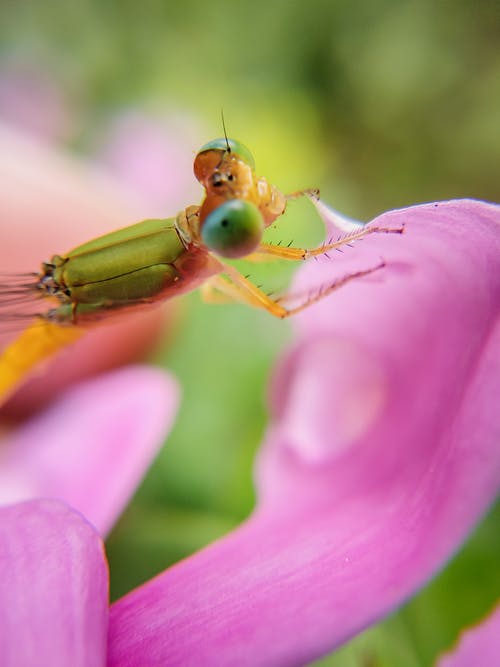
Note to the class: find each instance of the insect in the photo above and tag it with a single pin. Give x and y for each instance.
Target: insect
(154, 260)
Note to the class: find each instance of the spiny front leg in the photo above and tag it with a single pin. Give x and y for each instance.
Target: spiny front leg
(254, 296)
(312, 193)
(219, 290)
(296, 254)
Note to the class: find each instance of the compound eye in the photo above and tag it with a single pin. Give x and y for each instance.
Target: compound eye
(234, 229)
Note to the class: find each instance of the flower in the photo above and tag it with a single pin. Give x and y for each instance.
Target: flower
(75, 466)
(93, 446)
(381, 456)
(54, 587)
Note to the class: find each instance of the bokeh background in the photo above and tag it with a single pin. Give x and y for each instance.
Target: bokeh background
(381, 104)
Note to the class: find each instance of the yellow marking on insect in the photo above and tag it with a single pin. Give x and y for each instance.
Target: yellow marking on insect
(35, 344)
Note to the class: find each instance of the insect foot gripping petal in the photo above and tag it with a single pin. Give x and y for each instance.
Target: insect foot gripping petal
(34, 345)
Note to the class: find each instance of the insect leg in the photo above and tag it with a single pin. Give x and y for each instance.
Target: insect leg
(296, 254)
(251, 294)
(219, 290)
(312, 193)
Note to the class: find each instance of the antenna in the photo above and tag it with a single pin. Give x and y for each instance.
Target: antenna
(225, 133)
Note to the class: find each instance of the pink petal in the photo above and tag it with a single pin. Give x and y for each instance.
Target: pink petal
(479, 645)
(31, 100)
(335, 221)
(92, 448)
(69, 202)
(153, 156)
(53, 587)
(355, 511)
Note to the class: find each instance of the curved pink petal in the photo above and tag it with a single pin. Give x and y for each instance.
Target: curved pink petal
(92, 448)
(479, 645)
(382, 455)
(53, 588)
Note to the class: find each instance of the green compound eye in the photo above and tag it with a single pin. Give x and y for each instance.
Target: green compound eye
(234, 229)
(236, 147)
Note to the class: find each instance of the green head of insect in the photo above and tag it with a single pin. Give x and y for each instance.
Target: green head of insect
(211, 159)
(233, 229)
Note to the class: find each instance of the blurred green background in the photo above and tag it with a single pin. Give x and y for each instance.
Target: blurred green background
(381, 104)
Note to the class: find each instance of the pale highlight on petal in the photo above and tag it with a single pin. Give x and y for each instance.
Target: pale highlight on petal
(53, 588)
(351, 400)
(334, 220)
(92, 448)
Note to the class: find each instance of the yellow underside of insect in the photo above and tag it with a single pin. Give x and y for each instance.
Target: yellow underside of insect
(38, 343)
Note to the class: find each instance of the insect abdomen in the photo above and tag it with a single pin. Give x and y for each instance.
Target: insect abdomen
(93, 263)
(141, 284)
(135, 264)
